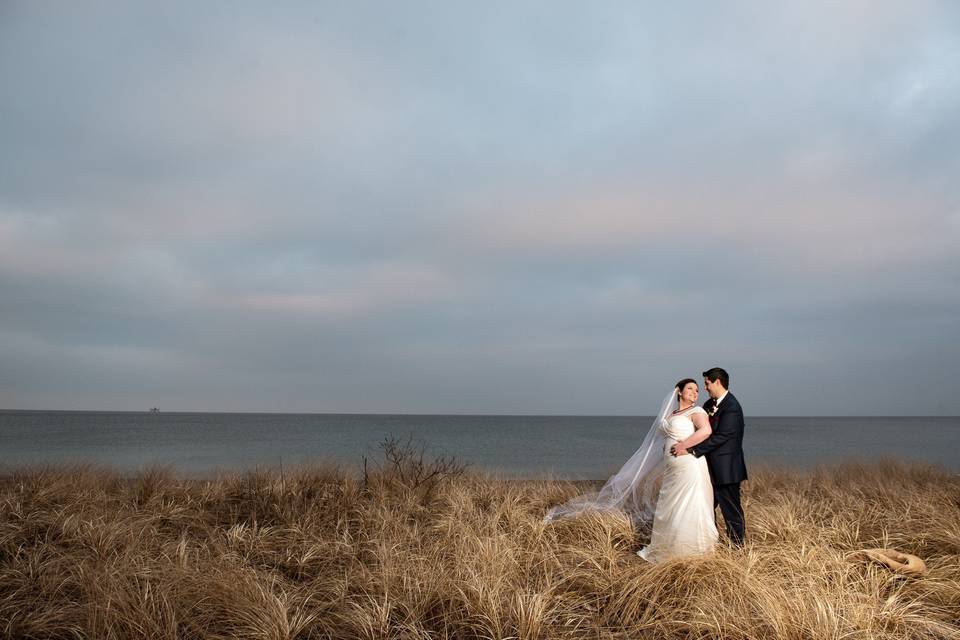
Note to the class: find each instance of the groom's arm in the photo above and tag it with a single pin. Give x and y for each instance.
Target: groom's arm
(725, 430)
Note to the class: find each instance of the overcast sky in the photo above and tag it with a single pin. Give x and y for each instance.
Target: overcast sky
(483, 207)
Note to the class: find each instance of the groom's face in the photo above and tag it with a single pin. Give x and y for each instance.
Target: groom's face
(713, 388)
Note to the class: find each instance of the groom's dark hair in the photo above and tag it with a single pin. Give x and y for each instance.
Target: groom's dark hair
(718, 374)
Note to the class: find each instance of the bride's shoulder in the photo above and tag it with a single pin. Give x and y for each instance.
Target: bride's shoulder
(697, 410)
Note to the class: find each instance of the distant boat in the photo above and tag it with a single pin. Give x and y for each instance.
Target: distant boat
(155, 410)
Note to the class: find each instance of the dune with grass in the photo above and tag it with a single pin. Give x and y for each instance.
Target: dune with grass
(413, 547)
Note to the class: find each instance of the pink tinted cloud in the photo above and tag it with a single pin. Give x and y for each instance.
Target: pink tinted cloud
(38, 244)
(349, 292)
(806, 225)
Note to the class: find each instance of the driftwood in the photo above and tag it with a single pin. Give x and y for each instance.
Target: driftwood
(892, 559)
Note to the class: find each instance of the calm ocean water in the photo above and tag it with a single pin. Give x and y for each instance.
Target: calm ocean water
(568, 446)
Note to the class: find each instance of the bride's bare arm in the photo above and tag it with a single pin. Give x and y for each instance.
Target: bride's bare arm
(703, 431)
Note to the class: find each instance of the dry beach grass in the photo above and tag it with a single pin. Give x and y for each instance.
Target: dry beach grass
(329, 553)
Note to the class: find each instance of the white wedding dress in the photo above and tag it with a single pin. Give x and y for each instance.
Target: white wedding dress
(683, 522)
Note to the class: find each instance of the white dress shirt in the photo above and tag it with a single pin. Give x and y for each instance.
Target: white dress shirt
(720, 399)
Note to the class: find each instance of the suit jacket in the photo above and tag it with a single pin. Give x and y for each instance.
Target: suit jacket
(724, 447)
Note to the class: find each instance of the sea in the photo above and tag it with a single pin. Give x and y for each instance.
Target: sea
(574, 447)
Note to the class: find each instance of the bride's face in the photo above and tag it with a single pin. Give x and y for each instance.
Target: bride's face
(689, 393)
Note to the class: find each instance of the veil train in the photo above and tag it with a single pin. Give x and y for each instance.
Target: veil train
(632, 489)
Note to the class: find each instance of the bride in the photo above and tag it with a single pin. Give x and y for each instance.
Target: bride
(673, 491)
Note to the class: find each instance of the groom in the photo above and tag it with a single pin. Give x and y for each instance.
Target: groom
(724, 450)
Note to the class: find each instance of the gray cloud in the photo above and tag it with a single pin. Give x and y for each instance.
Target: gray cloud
(508, 208)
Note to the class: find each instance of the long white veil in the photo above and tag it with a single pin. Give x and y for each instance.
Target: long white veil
(632, 489)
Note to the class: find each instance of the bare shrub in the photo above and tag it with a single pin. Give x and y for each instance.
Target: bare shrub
(406, 467)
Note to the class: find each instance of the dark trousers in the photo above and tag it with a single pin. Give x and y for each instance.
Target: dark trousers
(727, 497)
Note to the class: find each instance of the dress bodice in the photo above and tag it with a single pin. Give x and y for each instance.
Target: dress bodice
(679, 426)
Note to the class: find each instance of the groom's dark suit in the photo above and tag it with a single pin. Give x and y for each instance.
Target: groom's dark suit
(724, 452)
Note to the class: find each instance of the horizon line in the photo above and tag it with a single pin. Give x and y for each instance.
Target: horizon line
(429, 414)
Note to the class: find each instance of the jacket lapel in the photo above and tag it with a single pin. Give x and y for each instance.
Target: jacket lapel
(721, 409)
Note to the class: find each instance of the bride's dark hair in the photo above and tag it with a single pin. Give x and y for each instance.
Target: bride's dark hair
(685, 382)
